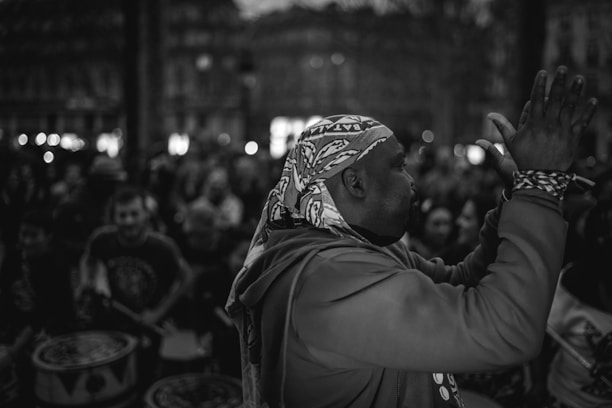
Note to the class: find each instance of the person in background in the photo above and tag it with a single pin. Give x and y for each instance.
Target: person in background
(72, 178)
(136, 266)
(470, 220)
(139, 270)
(36, 298)
(36, 287)
(580, 321)
(219, 193)
(80, 213)
(434, 229)
(21, 189)
(333, 310)
(250, 186)
(206, 246)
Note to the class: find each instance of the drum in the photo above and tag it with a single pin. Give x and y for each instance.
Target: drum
(195, 390)
(184, 351)
(473, 399)
(84, 369)
(8, 380)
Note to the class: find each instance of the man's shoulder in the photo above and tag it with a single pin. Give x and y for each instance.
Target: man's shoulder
(104, 232)
(161, 240)
(327, 245)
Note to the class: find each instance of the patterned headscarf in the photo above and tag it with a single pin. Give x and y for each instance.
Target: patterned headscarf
(300, 196)
(322, 151)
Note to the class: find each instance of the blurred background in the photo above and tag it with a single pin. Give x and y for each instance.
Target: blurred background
(197, 102)
(138, 78)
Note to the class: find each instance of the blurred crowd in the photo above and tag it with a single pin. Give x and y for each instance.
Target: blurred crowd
(205, 207)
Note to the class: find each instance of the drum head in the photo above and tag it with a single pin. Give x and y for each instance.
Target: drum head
(195, 390)
(182, 345)
(83, 349)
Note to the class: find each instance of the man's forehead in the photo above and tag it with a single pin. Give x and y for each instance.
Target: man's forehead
(388, 151)
(390, 147)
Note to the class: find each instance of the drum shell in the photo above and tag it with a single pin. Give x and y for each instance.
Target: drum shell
(184, 351)
(215, 390)
(105, 384)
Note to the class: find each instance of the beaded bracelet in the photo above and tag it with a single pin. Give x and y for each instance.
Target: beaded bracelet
(553, 182)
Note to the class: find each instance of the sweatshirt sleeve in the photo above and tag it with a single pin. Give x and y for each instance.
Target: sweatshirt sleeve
(362, 308)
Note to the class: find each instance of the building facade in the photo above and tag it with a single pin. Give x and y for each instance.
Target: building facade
(407, 71)
(196, 69)
(82, 68)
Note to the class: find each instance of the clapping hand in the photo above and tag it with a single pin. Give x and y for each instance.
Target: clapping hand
(549, 129)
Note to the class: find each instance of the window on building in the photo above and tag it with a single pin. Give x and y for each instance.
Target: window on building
(592, 84)
(565, 52)
(52, 121)
(565, 26)
(593, 22)
(592, 53)
(181, 79)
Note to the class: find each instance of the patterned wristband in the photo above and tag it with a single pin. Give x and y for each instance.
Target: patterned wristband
(553, 182)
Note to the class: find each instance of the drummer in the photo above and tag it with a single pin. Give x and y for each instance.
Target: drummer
(35, 282)
(141, 270)
(35, 298)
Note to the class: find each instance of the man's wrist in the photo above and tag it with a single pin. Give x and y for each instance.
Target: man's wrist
(552, 182)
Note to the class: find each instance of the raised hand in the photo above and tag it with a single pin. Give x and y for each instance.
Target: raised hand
(550, 128)
(503, 164)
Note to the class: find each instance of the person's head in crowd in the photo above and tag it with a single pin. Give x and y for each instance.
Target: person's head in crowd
(216, 185)
(35, 231)
(21, 179)
(200, 228)
(128, 211)
(161, 173)
(435, 225)
(73, 173)
(104, 175)
(472, 217)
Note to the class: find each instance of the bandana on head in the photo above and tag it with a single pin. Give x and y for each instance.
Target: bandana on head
(322, 151)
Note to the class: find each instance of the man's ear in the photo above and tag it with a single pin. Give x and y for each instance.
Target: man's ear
(353, 181)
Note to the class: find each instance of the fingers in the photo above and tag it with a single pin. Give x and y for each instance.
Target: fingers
(490, 149)
(583, 121)
(557, 93)
(571, 100)
(524, 114)
(538, 92)
(503, 126)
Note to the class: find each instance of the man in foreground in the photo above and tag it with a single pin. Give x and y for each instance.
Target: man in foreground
(333, 311)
